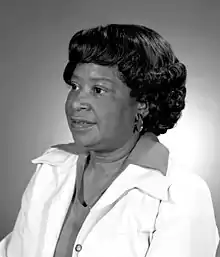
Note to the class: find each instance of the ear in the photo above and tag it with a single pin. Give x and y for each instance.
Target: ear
(143, 109)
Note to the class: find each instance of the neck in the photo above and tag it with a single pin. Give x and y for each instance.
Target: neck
(118, 153)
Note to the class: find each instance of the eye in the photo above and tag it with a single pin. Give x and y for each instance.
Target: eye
(73, 86)
(99, 90)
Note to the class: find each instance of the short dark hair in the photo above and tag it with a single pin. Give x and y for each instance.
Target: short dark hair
(146, 63)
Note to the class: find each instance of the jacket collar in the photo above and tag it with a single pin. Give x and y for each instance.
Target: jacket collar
(57, 155)
(146, 169)
(147, 158)
(148, 153)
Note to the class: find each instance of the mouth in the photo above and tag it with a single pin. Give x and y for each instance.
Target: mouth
(80, 124)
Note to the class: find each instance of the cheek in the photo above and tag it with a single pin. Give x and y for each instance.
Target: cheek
(66, 106)
(67, 109)
(107, 119)
(69, 102)
(116, 117)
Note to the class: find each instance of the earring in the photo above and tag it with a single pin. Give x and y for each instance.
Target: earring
(139, 123)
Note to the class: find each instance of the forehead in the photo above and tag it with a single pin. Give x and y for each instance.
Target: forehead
(95, 71)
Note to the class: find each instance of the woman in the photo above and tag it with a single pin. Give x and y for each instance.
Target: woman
(107, 194)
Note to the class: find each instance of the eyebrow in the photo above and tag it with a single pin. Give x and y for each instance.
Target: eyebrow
(95, 78)
(102, 78)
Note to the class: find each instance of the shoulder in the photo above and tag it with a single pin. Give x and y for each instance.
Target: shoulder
(57, 154)
(49, 165)
(190, 202)
(189, 190)
(186, 220)
(188, 214)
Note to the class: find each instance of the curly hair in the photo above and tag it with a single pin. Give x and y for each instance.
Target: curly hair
(146, 64)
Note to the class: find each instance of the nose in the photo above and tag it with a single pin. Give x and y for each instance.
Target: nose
(80, 105)
(81, 101)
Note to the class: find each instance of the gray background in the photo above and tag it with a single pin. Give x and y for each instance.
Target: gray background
(33, 52)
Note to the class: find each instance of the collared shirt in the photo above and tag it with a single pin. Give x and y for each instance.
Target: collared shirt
(142, 213)
(147, 152)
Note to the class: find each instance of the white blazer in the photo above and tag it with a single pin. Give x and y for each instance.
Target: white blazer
(142, 214)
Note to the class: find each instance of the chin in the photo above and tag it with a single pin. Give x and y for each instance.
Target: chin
(86, 141)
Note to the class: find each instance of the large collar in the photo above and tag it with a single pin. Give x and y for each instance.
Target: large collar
(147, 156)
(148, 153)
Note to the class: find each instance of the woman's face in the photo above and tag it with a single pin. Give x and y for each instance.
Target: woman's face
(99, 109)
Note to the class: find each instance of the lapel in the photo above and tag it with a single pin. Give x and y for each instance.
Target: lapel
(149, 181)
(55, 208)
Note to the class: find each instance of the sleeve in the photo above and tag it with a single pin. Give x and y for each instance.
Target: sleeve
(185, 226)
(3, 245)
(13, 244)
(15, 237)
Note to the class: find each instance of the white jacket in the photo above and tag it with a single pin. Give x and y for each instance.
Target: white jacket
(142, 214)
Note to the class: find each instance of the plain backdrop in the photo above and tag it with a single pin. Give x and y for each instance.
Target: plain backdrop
(33, 53)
